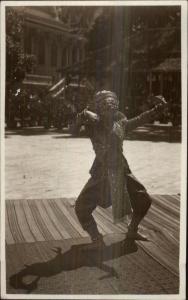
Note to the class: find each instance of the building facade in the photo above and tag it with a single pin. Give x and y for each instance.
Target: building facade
(52, 43)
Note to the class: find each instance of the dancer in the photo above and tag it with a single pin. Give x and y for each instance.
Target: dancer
(111, 181)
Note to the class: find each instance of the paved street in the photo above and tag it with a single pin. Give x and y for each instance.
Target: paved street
(42, 164)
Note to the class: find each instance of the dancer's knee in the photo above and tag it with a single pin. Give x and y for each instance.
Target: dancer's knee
(79, 209)
(146, 202)
(142, 203)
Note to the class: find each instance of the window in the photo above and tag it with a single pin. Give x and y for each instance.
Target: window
(69, 56)
(82, 53)
(28, 43)
(54, 54)
(74, 55)
(64, 58)
(41, 51)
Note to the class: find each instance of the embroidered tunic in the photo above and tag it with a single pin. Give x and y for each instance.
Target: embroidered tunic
(110, 162)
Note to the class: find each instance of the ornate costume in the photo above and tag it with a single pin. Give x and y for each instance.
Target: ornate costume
(111, 182)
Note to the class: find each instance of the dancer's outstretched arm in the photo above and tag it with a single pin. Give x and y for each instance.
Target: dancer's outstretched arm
(86, 116)
(145, 116)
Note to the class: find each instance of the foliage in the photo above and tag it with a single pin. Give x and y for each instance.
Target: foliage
(17, 62)
(133, 23)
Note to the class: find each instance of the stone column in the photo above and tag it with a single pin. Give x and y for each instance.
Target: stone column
(59, 51)
(47, 52)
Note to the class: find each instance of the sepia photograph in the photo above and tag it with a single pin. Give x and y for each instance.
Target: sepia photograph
(93, 149)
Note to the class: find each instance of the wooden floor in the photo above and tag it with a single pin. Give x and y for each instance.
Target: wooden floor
(30, 221)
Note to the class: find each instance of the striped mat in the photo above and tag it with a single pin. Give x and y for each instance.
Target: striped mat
(29, 221)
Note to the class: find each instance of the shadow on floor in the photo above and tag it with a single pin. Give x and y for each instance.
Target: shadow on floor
(76, 257)
(153, 133)
(156, 133)
(30, 131)
(150, 132)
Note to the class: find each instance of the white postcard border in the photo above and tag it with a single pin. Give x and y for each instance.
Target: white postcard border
(183, 207)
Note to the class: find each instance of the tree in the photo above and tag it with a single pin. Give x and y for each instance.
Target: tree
(17, 61)
(126, 43)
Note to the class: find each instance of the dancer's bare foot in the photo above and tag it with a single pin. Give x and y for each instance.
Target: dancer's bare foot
(96, 244)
